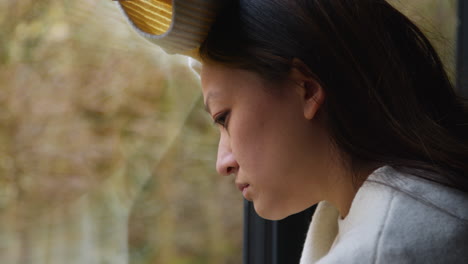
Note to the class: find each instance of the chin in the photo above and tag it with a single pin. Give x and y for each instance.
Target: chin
(276, 211)
(273, 214)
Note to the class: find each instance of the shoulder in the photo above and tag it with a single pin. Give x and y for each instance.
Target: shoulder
(401, 218)
(420, 193)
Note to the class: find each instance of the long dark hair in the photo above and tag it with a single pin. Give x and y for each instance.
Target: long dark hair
(388, 98)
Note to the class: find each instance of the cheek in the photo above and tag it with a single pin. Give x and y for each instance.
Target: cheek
(266, 146)
(248, 143)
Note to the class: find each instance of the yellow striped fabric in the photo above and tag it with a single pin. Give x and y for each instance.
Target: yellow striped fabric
(177, 26)
(150, 16)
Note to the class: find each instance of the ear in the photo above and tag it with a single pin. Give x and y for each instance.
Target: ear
(309, 88)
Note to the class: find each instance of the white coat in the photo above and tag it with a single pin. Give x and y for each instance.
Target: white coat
(394, 218)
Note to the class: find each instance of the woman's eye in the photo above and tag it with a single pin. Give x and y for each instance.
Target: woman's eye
(222, 119)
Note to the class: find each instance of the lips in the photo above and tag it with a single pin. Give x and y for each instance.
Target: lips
(242, 186)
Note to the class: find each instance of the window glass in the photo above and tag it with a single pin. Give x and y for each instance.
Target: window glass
(106, 153)
(438, 20)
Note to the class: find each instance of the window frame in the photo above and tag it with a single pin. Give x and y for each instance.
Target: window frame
(274, 242)
(462, 49)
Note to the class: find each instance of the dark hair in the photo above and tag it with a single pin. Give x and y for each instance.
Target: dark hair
(388, 97)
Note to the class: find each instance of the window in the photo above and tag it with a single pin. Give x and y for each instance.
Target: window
(462, 49)
(106, 154)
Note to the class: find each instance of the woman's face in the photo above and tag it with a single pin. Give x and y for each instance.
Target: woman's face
(275, 152)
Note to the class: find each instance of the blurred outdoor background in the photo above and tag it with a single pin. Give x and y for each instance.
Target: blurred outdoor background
(106, 153)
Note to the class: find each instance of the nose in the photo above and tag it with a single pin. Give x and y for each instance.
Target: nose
(226, 164)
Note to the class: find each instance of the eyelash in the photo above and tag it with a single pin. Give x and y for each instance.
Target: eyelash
(222, 119)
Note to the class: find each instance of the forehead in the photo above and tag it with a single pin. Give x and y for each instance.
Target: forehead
(214, 77)
(223, 81)
(212, 81)
(217, 79)
(225, 85)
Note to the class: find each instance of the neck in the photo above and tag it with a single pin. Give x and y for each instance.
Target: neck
(343, 186)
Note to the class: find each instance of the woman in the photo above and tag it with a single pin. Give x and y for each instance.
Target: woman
(346, 104)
